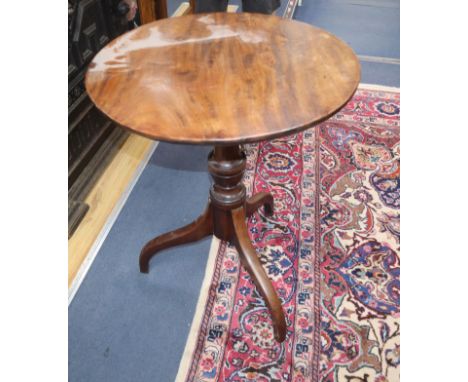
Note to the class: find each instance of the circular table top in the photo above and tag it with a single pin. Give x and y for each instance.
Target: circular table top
(222, 78)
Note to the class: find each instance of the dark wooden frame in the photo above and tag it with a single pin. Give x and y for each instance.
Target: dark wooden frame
(92, 138)
(151, 10)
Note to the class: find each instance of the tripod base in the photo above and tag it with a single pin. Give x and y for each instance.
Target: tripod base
(225, 217)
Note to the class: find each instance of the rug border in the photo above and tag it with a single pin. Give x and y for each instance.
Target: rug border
(187, 355)
(192, 338)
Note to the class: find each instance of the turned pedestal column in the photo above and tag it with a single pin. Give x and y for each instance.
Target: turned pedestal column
(223, 80)
(225, 217)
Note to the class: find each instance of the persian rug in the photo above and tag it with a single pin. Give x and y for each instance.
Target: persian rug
(331, 250)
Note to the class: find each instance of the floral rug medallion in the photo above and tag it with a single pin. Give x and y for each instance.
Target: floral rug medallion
(331, 250)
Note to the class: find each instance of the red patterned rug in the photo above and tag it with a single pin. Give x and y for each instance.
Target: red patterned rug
(331, 250)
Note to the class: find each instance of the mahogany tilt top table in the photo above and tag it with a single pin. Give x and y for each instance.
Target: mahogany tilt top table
(223, 79)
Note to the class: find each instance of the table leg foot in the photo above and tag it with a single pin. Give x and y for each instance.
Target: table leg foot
(225, 217)
(198, 229)
(264, 199)
(251, 263)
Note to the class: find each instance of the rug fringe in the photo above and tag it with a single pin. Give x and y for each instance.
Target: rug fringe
(379, 87)
(187, 355)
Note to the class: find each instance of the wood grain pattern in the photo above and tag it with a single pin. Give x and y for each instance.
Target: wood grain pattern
(147, 11)
(151, 10)
(225, 217)
(161, 9)
(109, 188)
(222, 78)
(254, 267)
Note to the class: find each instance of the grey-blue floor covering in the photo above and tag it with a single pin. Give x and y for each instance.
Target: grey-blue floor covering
(370, 27)
(126, 326)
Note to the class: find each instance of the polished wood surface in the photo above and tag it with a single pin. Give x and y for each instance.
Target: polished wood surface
(198, 229)
(109, 189)
(222, 78)
(264, 199)
(225, 217)
(151, 10)
(252, 264)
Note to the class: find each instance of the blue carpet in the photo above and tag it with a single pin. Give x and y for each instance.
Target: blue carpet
(382, 74)
(370, 27)
(128, 326)
(172, 6)
(370, 30)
